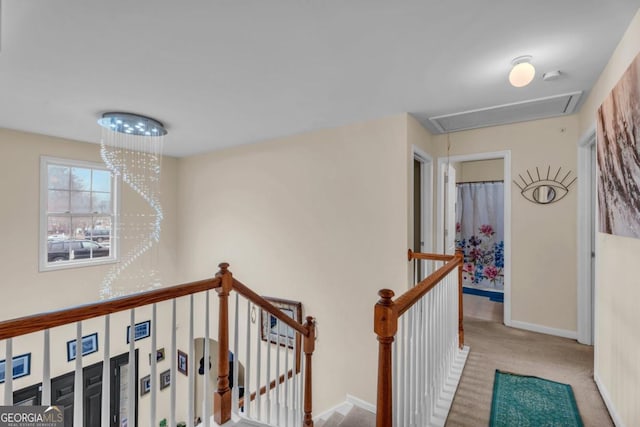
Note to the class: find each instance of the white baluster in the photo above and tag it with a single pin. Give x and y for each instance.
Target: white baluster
(268, 385)
(106, 374)
(235, 389)
(191, 369)
(277, 388)
(78, 386)
(46, 371)
(294, 380)
(258, 366)
(405, 374)
(131, 390)
(206, 410)
(8, 373)
(154, 367)
(286, 378)
(174, 365)
(247, 365)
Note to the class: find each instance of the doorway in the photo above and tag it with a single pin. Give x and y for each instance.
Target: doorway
(422, 201)
(446, 210)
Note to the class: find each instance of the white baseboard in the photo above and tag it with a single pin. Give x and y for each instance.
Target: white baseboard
(543, 329)
(607, 401)
(361, 403)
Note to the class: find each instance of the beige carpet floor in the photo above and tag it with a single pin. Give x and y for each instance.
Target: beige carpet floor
(495, 346)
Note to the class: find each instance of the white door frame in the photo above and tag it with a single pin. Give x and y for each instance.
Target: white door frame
(586, 180)
(506, 157)
(426, 222)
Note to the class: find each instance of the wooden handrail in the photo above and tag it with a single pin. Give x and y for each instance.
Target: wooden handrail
(39, 322)
(268, 307)
(413, 295)
(432, 257)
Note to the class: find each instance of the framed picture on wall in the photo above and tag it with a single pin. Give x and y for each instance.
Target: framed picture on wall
(89, 345)
(165, 379)
(275, 331)
(159, 355)
(145, 385)
(141, 330)
(21, 366)
(183, 365)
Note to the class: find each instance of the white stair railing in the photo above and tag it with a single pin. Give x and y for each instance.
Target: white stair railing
(421, 347)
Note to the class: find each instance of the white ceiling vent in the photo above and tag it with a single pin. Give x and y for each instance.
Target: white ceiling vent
(508, 113)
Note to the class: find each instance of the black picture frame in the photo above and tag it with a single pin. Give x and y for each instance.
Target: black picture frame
(89, 345)
(183, 363)
(141, 330)
(165, 379)
(145, 385)
(21, 366)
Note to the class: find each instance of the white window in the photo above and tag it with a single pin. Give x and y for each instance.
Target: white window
(78, 207)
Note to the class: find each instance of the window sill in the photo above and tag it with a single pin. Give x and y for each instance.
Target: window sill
(65, 265)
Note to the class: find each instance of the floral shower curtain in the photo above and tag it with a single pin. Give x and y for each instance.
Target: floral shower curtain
(480, 234)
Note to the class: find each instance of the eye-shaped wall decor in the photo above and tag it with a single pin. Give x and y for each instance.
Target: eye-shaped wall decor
(545, 189)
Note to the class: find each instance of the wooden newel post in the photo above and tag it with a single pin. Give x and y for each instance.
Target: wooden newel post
(309, 347)
(222, 396)
(460, 256)
(385, 325)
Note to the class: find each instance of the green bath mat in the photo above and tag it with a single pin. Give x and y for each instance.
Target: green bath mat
(525, 401)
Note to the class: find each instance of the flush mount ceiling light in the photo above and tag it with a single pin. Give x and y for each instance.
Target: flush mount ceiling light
(522, 72)
(132, 124)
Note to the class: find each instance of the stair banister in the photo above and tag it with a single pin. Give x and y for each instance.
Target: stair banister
(224, 284)
(222, 397)
(388, 311)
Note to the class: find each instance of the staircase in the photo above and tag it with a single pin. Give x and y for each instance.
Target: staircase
(354, 417)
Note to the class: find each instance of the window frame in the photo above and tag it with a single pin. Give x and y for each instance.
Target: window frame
(44, 264)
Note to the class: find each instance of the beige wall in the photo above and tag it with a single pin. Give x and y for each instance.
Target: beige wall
(318, 218)
(617, 342)
(543, 278)
(480, 170)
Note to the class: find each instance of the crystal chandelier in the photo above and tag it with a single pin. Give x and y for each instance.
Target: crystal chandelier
(131, 147)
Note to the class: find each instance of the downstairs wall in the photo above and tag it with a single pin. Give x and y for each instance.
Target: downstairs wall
(617, 341)
(318, 218)
(543, 237)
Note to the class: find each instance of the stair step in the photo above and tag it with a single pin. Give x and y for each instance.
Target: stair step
(358, 417)
(334, 420)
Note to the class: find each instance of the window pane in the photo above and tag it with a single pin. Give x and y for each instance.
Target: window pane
(101, 181)
(101, 202)
(81, 201)
(81, 225)
(100, 232)
(80, 179)
(58, 201)
(58, 228)
(58, 177)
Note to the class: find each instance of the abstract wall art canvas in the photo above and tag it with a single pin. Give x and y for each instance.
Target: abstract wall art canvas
(618, 155)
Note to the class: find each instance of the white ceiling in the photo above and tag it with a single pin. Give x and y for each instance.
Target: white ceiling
(223, 73)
